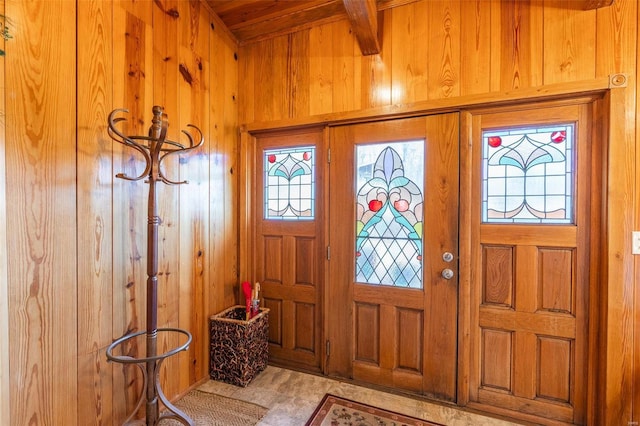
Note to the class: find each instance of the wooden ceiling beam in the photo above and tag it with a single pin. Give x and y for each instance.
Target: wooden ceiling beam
(363, 16)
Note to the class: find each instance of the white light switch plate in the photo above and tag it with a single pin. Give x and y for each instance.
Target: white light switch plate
(635, 242)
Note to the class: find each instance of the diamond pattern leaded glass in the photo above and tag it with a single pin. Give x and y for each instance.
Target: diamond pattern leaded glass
(528, 175)
(289, 176)
(389, 207)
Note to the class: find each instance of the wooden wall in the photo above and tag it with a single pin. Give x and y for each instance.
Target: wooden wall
(466, 51)
(72, 236)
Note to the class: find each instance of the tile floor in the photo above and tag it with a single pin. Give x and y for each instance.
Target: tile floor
(292, 396)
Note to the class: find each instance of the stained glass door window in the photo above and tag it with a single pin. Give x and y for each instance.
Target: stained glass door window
(528, 175)
(289, 189)
(389, 213)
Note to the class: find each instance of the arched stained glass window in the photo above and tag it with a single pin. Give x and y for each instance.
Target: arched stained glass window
(389, 220)
(528, 175)
(289, 190)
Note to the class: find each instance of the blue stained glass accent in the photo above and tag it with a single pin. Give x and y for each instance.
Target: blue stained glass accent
(389, 209)
(527, 175)
(289, 183)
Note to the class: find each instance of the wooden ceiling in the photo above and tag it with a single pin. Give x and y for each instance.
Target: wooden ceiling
(251, 20)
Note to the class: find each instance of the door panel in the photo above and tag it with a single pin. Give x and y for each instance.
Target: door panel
(388, 335)
(289, 254)
(529, 324)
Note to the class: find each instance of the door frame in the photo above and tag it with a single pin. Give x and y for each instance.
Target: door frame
(616, 304)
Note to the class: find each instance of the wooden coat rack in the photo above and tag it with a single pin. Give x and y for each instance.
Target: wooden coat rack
(154, 148)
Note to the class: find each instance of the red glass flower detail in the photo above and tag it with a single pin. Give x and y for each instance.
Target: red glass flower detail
(306, 156)
(375, 205)
(559, 137)
(401, 205)
(272, 158)
(495, 141)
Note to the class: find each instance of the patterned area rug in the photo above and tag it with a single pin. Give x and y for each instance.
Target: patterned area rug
(210, 409)
(334, 411)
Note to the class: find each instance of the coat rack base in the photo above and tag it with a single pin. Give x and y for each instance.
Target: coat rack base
(150, 368)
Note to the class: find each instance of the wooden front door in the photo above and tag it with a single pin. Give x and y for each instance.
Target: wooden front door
(536, 188)
(393, 229)
(289, 248)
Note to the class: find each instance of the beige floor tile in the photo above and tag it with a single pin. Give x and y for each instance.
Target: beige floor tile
(291, 398)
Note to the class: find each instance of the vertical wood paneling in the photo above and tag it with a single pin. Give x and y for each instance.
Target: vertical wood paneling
(443, 49)
(475, 43)
(346, 69)
(297, 74)
(140, 9)
(272, 80)
(133, 82)
(616, 49)
(76, 257)
(535, 45)
(409, 72)
(521, 50)
(190, 94)
(222, 171)
(247, 79)
(194, 196)
(636, 202)
(376, 73)
(569, 43)
(5, 411)
(247, 245)
(124, 286)
(202, 245)
(495, 45)
(216, 165)
(40, 201)
(229, 245)
(320, 73)
(166, 93)
(95, 211)
(119, 290)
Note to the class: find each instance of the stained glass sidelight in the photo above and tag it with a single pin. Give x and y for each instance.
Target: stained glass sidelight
(389, 207)
(528, 175)
(289, 176)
